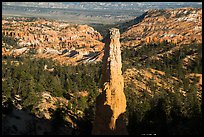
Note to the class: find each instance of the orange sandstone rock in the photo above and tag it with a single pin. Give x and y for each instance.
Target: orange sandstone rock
(111, 103)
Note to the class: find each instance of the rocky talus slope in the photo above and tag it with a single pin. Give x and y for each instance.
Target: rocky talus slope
(111, 103)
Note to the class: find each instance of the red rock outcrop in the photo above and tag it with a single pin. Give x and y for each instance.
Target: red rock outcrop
(111, 103)
(179, 26)
(58, 37)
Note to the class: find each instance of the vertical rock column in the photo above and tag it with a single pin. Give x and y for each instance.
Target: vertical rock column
(111, 103)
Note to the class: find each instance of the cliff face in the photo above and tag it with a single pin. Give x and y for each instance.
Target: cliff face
(111, 103)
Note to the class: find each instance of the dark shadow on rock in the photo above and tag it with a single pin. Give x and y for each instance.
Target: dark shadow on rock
(103, 112)
(124, 26)
(121, 128)
(22, 122)
(103, 119)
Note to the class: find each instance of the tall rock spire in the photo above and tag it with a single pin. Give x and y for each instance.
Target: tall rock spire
(111, 103)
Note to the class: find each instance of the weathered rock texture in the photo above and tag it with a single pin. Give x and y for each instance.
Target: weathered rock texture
(111, 103)
(52, 40)
(179, 26)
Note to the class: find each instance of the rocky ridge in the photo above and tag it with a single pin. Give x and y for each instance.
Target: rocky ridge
(180, 26)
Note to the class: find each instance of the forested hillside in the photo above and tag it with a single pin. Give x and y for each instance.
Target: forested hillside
(173, 107)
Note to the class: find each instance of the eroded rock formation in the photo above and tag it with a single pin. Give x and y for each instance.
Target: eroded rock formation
(52, 40)
(158, 26)
(111, 103)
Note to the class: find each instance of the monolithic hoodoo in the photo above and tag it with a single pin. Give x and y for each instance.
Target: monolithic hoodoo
(111, 103)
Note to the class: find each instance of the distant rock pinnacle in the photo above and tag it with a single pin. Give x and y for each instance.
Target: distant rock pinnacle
(111, 103)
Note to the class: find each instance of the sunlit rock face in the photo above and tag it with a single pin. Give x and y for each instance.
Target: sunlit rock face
(111, 103)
